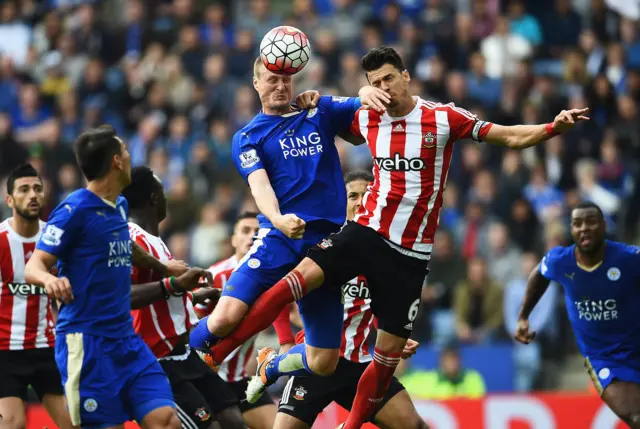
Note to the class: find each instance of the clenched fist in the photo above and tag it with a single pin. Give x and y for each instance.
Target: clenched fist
(60, 289)
(522, 332)
(290, 225)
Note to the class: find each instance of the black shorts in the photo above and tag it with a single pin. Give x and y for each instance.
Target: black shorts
(305, 397)
(35, 367)
(199, 392)
(239, 388)
(395, 279)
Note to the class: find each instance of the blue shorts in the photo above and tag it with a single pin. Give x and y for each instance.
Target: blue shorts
(603, 372)
(108, 381)
(271, 257)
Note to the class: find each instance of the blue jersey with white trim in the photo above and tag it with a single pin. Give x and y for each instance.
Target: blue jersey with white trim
(603, 302)
(298, 152)
(90, 238)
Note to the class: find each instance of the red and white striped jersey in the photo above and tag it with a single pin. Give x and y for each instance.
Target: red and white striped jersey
(411, 155)
(162, 323)
(26, 320)
(358, 319)
(233, 368)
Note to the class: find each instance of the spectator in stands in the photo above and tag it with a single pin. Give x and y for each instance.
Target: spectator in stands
(477, 303)
(450, 381)
(446, 272)
(504, 255)
(528, 360)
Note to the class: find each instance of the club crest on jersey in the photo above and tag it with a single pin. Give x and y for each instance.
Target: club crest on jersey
(604, 373)
(90, 405)
(312, 113)
(253, 263)
(613, 273)
(202, 414)
(299, 393)
(429, 140)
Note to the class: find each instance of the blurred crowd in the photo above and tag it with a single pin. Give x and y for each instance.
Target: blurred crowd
(174, 78)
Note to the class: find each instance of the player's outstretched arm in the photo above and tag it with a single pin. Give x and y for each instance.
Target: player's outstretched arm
(143, 259)
(524, 136)
(38, 272)
(290, 225)
(537, 285)
(145, 294)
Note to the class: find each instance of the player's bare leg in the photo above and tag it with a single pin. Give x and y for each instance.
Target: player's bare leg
(161, 418)
(285, 421)
(306, 277)
(228, 312)
(399, 413)
(56, 406)
(12, 412)
(231, 418)
(261, 418)
(624, 400)
(374, 383)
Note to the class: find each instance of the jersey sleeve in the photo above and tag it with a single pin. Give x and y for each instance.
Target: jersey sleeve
(247, 156)
(465, 125)
(341, 110)
(548, 265)
(140, 241)
(355, 123)
(61, 230)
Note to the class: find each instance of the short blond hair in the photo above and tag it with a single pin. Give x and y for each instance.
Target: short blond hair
(257, 66)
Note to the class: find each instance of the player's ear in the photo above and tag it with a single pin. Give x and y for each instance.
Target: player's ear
(406, 76)
(9, 200)
(255, 83)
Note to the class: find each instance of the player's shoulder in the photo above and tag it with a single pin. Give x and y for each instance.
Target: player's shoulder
(623, 250)
(556, 256)
(248, 133)
(449, 107)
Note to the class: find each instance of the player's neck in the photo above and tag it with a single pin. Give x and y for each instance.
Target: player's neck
(24, 227)
(590, 260)
(145, 222)
(105, 188)
(404, 107)
(277, 111)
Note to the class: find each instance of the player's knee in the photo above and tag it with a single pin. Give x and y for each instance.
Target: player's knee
(633, 420)
(13, 421)
(323, 364)
(221, 325)
(312, 273)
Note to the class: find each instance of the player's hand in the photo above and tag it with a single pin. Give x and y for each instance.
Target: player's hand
(290, 225)
(208, 296)
(191, 279)
(568, 119)
(59, 288)
(410, 348)
(522, 332)
(308, 99)
(374, 98)
(176, 268)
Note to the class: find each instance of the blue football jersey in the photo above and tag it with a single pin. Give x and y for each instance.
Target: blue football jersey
(298, 152)
(90, 238)
(602, 303)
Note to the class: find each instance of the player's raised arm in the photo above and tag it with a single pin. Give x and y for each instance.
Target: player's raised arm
(524, 136)
(537, 285)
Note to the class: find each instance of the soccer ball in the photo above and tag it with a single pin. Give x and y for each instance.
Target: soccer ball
(285, 50)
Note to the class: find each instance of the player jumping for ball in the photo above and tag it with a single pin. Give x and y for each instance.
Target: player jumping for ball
(391, 238)
(289, 159)
(600, 280)
(304, 398)
(109, 374)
